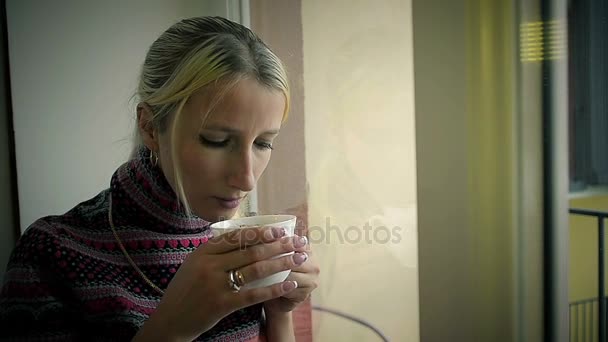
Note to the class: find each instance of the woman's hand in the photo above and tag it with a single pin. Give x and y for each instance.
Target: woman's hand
(307, 277)
(199, 295)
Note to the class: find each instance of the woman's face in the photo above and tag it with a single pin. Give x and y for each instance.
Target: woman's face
(222, 160)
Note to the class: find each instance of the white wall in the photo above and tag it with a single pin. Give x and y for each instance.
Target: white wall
(74, 68)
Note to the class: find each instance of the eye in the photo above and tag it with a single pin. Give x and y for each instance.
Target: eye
(213, 143)
(263, 145)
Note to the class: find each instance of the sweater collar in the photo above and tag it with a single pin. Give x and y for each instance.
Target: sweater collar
(142, 197)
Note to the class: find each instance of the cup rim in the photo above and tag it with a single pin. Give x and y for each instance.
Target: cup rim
(280, 219)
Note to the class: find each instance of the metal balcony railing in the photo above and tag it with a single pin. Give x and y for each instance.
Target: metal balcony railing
(583, 320)
(584, 314)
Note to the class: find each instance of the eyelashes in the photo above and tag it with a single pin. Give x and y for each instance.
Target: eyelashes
(261, 145)
(213, 143)
(264, 145)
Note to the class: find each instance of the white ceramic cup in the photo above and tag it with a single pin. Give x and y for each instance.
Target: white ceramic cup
(287, 222)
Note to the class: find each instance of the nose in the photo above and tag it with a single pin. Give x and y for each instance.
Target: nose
(241, 175)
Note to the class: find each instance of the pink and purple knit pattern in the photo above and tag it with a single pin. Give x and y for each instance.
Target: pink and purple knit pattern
(68, 280)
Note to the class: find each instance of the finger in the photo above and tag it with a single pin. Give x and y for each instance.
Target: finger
(305, 280)
(250, 297)
(241, 238)
(298, 295)
(264, 268)
(307, 267)
(243, 257)
(306, 285)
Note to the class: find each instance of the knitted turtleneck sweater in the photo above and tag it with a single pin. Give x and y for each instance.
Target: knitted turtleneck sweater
(67, 279)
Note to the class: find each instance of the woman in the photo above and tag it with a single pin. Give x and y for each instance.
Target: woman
(138, 260)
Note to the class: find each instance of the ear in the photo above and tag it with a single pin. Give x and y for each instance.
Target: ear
(146, 127)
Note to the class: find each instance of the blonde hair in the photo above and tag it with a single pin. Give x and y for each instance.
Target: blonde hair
(193, 54)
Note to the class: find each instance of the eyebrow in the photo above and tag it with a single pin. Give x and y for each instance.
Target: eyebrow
(234, 131)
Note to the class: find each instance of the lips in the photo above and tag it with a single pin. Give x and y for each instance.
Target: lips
(228, 202)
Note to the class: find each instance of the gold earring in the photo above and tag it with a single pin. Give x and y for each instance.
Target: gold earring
(153, 158)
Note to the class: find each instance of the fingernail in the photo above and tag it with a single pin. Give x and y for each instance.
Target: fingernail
(299, 258)
(290, 285)
(300, 241)
(278, 232)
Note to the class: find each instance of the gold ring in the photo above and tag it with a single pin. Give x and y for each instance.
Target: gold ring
(240, 279)
(232, 282)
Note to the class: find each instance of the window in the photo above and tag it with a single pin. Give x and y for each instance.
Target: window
(588, 73)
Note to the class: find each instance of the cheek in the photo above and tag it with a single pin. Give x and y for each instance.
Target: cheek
(260, 165)
(199, 167)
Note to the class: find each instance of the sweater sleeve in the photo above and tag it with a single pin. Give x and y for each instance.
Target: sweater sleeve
(34, 305)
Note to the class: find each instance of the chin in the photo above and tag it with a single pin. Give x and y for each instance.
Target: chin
(218, 215)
